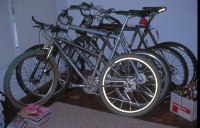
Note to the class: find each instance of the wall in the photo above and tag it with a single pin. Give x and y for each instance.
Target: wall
(6, 33)
(28, 36)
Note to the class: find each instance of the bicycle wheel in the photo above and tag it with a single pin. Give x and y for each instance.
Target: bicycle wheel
(39, 75)
(188, 56)
(162, 67)
(138, 92)
(177, 65)
(63, 69)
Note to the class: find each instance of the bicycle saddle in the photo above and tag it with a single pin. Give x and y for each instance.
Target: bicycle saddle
(156, 9)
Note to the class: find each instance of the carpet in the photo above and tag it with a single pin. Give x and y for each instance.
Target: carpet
(70, 116)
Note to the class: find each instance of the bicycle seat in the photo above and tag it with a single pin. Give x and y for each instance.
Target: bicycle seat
(156, 9)
(121, 12)
(140, 13)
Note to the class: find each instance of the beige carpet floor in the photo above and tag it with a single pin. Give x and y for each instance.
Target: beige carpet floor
(70, 116)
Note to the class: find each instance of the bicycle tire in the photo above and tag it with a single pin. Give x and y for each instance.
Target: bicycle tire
(43, 88)
(177, 65)
(139, 102)
(36, 47)
(188, 56)
(63, 69)
(162, 67)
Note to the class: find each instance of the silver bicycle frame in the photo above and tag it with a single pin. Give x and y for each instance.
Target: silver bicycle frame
(120, 39)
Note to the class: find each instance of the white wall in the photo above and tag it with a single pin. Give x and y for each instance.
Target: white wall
(6, 34)
(178, 23)
(28, 36)
(43, 11)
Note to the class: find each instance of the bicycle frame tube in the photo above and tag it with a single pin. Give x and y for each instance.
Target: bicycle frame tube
(99, 56)
(69, 59)
(147, 30)
(142, 36)
(152, 37)
(105, 34)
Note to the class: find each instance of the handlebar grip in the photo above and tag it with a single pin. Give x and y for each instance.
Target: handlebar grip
(37, 22)
(74, 7)
(40, 24)
(87, 5)
(36, 26)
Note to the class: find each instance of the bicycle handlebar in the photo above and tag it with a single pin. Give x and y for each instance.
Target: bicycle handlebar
(74, 7)
(41, 24)
(64, 14)
(84, 6)
(44, 26)
(87, 5)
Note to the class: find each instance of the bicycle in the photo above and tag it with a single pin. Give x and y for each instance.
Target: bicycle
(147, 30)
(120, 77)
(64, 78)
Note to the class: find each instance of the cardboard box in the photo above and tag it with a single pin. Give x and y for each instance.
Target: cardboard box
(183, 107)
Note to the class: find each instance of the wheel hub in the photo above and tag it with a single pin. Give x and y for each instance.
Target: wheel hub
(173, 70)
(131, 85)
(141, 79)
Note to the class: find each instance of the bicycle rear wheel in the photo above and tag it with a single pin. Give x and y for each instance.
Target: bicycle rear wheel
(188, 56)
(139, 93)
(38, 75)
(177, 65)
(162, 67)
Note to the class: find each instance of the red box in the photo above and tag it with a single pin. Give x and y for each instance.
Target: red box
(183, 107)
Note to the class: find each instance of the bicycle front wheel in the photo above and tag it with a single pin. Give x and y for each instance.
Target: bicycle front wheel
(38, 75)
(130, 85)
(63, 69)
